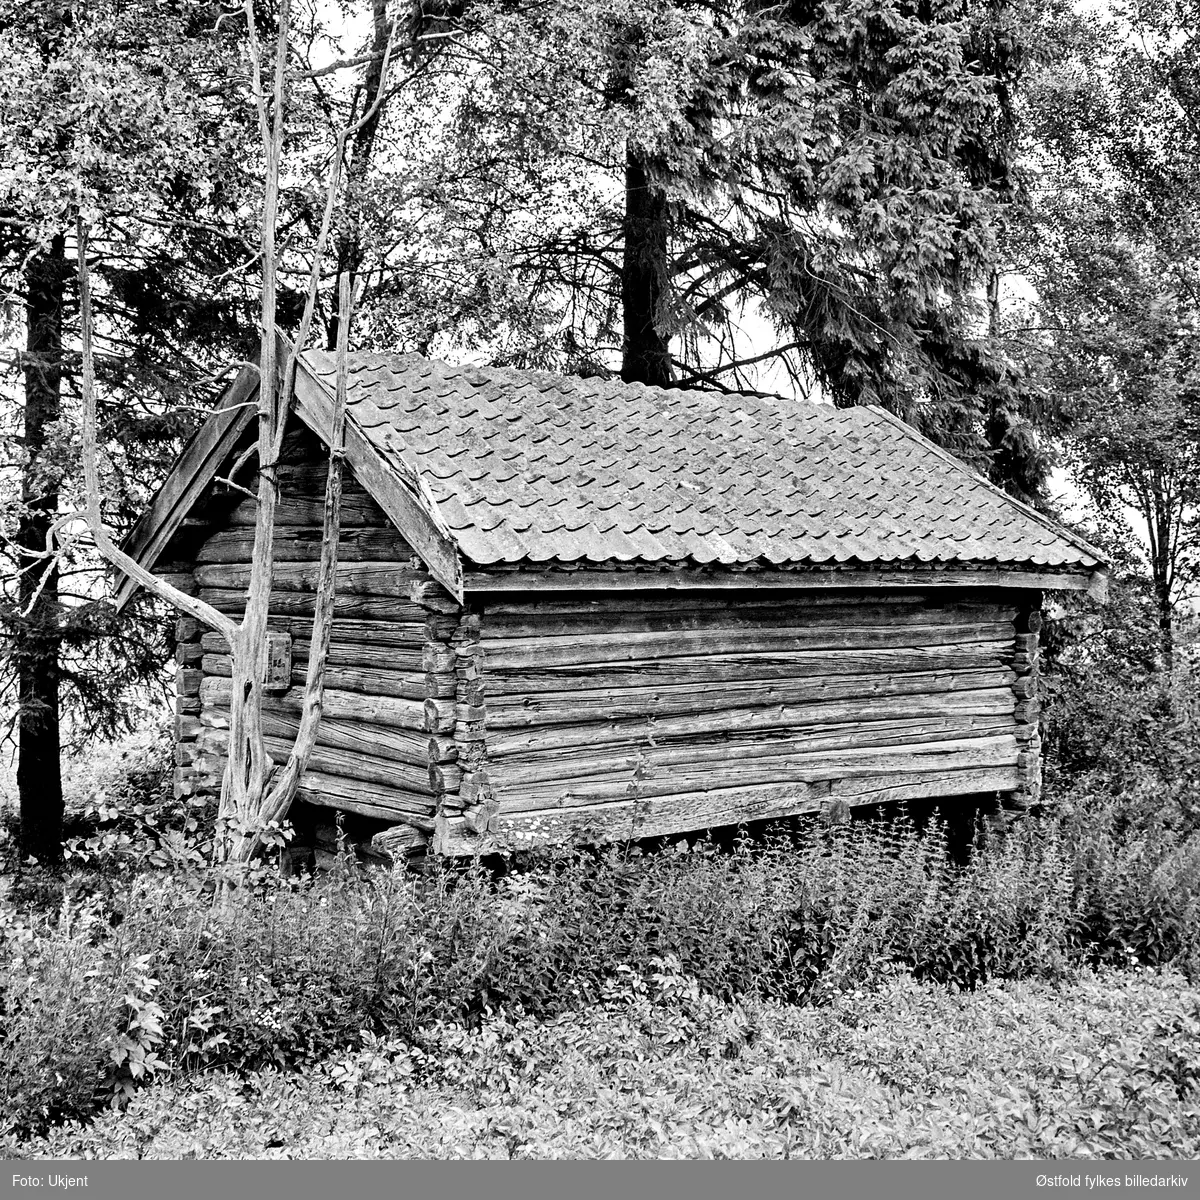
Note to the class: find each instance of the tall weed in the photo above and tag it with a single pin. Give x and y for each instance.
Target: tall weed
(292, 972)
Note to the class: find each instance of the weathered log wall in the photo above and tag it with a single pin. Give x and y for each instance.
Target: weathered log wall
(638, 714)
(384, 746)
(598, 717)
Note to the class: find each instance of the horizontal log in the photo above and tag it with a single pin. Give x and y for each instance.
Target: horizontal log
(367, 768)
(426, 658)
(411, 626)
(399, 745)
(743, 668)
(187, 653)
(398, 842)
(387, 579)
(188, 681)
(368, 799)
(504, 626)
(581, 763)
(688, 812)
(430, 716)
(188, 629)
(415, 685)
(415, 656)
(681, 602)
(187, 728)
(303, 544)
(432, 595)
(358, 511)
(183, 581)
(616, 704)
(886, 789)
(300, 604)
(984, 703)
(898, 762)
(423, 656)
(348, 764)
(530, 653)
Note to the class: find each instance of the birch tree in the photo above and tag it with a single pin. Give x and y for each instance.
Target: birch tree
(257, 792)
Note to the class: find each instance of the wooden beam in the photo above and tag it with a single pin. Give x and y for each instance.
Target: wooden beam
(193, 471)
(993, 702)
(654, 777)
(395, 487)
(429, 716)
(801, 578)
(693, 811)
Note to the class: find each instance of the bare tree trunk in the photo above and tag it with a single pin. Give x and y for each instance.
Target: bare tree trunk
(283, 790)
(255, 794)
(39, 773)
(248, 766)
(646, 354)
(362, 145)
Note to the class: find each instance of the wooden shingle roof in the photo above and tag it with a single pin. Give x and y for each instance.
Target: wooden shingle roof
(539, 468)
(487, 470)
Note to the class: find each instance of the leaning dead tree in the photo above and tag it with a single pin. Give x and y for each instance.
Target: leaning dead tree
(256, 791)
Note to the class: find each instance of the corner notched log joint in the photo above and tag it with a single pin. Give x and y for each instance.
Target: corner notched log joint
(1027, 710)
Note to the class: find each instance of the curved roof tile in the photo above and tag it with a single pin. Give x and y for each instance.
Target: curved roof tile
(530, 466)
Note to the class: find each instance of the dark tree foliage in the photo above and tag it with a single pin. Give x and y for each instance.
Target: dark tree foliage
(739, 196)
(113, 111)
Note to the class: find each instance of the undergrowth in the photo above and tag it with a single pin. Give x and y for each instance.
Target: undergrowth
(1101, 1066)
(151, 978)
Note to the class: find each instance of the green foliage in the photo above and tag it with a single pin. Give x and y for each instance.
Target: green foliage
(80, 1022)
(123, 815)
(1109, 244)
(1121, 719)
(825, 186)
(291, 973)
(1107, 1065)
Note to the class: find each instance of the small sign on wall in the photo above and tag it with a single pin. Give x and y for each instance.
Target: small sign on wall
(279, 663)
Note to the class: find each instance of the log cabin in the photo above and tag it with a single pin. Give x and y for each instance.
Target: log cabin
(584, 610)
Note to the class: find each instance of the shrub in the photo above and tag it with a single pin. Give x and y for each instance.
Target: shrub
(80, 1021)
(659, 1069)
(291, 972)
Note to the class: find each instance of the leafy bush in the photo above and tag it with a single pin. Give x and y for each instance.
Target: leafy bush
(80, 1022)
(1120, 715)
(123, 815)
(296, 971)
(160, 978)
(1107, 1065)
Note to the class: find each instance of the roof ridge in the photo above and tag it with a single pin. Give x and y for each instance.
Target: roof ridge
(533, 373)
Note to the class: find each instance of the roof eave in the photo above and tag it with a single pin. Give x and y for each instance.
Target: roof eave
(1034, 514)
(525, 576)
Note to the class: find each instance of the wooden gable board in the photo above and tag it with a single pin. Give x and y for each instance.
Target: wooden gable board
(408, 506)
(194, 470)
(396, 490)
